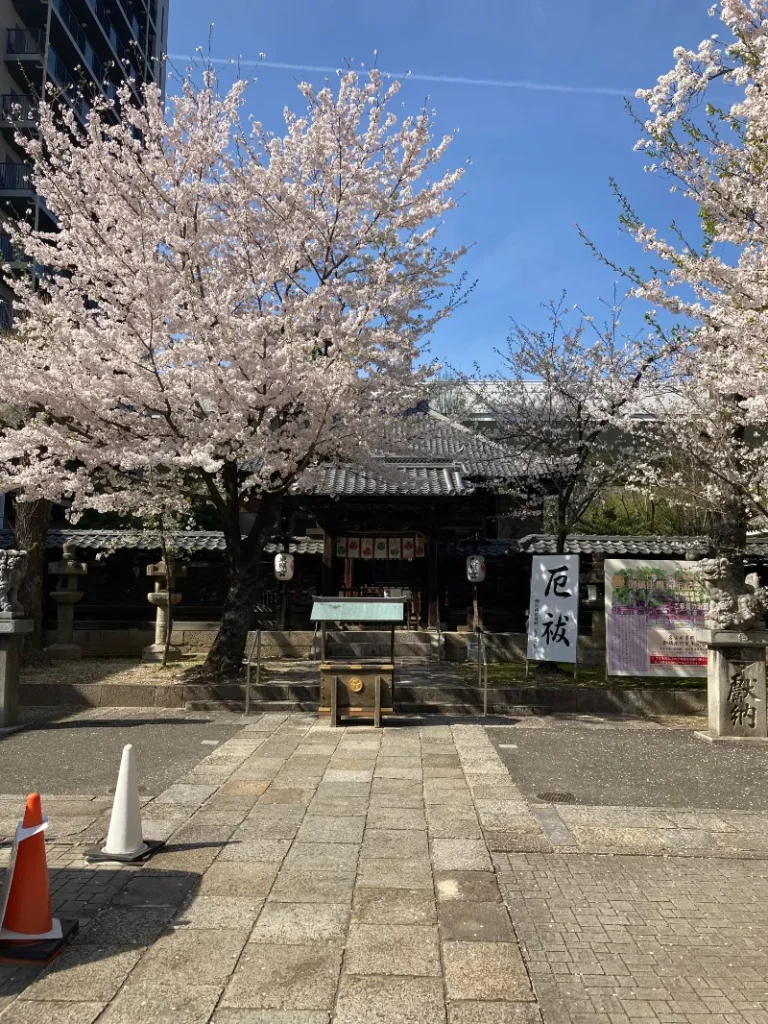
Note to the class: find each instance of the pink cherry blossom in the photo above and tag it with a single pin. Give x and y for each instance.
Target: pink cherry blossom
(230, 307)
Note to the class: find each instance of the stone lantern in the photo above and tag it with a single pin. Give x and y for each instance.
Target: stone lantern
(13, 565)
(159, 598)
(66, 595)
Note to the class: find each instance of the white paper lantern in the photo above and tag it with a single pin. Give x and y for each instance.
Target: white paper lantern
(475, 568)
(284, 565)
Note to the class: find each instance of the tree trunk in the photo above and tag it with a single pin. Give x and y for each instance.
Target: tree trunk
(729, 534)
(31, 531)
(225, 658)
(562, 537)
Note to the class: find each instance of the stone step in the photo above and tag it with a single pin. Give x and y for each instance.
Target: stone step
(413, 708)
(283, 706)
(382, 651)
(368, 636)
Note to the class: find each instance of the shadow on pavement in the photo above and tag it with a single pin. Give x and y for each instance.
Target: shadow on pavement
(113, 723)
(121, 913)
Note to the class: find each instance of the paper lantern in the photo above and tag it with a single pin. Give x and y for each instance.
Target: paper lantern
(284, 566)
(475, 568)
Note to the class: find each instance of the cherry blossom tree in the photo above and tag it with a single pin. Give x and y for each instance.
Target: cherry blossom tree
(232, 307)
(707, 133)
(562, 402)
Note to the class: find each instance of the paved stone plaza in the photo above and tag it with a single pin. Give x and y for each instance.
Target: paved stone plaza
(399, 877)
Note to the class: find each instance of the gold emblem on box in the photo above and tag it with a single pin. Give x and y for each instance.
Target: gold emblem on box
(355, 684)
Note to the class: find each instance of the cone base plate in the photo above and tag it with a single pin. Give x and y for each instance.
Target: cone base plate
(150, 846)
(37, 951)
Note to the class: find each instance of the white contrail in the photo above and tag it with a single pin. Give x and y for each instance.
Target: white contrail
(584, 90)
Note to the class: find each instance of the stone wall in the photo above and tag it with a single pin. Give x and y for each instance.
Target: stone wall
(191, 637)
(196, 638)
(513, 646)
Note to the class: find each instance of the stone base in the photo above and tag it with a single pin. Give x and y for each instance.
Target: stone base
(729, 739)
(155, 652)
(10, 652)
(65, 652)
(736, 685)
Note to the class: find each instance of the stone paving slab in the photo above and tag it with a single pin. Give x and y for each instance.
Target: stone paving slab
(318, 876)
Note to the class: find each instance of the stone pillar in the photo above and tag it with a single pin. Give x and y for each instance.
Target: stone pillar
(161, 601)
(736, 688)
(66, 595)
(12, 626)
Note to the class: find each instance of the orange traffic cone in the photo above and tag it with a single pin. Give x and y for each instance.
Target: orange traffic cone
(28, 931)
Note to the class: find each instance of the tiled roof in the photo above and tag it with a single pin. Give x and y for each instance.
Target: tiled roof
(398, 479)
(447, 460)
(588, 544)
(188, 541)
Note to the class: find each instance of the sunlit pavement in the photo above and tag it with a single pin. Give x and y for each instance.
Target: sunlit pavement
(427, 872)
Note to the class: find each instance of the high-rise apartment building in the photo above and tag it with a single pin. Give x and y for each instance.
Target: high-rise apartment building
(83, 48)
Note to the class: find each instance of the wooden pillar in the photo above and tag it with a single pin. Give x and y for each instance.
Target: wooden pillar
(433, 611)
(326, 579)
(348, 575)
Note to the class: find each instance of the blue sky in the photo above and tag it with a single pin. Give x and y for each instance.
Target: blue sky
(541, 159)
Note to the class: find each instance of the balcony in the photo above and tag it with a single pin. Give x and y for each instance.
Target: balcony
(17, 110)
(24, 49)
(75, 29)
(25, 42)
(15, 179)
(6, 316)
(10, 254)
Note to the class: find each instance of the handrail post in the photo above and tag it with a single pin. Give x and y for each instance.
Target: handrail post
(256, 642)
(484, 661)
(258, 657)
(248, 662)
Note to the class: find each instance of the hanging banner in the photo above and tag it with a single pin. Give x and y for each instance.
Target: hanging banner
(420, 547)
(380, 547)
(408, 548)
(394, 547)
(553, 622)
(654, 618)
(353, 547)
(341, 547)
(366, 547)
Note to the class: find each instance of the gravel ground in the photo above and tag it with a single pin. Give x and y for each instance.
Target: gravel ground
(107, 670)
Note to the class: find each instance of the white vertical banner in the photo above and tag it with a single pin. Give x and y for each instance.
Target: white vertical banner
(553, 622)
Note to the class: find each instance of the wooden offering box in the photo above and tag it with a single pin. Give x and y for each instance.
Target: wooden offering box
(365, 687)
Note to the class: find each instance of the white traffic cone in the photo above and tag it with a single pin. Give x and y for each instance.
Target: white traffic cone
(124, 839)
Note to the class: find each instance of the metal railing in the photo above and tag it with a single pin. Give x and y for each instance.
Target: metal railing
(24, 42)
(15, 107)
(482, 668)
(255, 645)
(15, 177)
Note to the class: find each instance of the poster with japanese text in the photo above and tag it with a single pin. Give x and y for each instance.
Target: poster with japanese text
(553, 623)
(654, 618)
